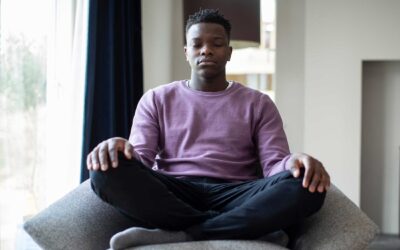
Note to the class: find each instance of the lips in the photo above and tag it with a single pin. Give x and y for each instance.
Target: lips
(206, 61)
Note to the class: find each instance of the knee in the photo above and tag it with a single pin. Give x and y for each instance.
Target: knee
(101, 178)
(103, 182)
(314, 202)
(309, 202)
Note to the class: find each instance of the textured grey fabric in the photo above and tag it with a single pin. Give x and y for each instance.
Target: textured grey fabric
(139, 236)
(213, 245)
(340, 224)
(80, 220)
(135, 236)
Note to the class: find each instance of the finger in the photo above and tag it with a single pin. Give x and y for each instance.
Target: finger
(295, 169)
(128, 150)
(316, 180)
(295, 172)
(327, 180)
(103, 156)
(89, 162)
(322, 185)
(113, 147)
(309, 171)
(95, 159)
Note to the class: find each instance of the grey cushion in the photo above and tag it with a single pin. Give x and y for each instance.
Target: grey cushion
(214, 245)
(80, 220)
(275, 240)
(340, 224)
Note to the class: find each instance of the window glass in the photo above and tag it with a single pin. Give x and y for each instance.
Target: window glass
(255, 67)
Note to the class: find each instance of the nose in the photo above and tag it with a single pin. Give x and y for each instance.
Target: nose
(206, 50)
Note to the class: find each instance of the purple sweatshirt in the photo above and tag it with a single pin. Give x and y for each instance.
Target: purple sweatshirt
(184, 132)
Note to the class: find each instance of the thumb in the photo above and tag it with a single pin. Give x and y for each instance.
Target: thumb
(128, 150)
(296, 169)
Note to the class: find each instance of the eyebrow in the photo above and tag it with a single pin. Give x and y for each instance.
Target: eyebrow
(215, 38)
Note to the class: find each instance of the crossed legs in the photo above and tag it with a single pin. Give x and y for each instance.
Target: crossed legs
(245, 210)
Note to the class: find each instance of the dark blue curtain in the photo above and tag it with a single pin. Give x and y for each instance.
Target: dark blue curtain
(114, 80)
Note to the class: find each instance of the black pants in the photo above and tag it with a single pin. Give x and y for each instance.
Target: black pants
(206, 208)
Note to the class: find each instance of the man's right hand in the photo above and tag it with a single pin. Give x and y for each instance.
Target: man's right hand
(108, 150)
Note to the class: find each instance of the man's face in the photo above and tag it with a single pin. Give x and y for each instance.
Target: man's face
(207, 49)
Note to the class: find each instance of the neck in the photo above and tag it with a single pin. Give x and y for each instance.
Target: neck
(208, 85)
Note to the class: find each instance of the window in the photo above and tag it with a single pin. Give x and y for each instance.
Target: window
(255, 67)
(42, 65)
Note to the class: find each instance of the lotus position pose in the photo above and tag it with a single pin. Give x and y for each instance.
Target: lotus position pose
(207, 158)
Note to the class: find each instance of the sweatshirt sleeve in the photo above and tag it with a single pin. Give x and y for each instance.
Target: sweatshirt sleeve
(145, 129)
(272, 144)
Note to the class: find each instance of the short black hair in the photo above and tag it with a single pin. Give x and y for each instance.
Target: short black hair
(209, 16)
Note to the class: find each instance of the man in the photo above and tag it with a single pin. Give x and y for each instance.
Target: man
(190, 170)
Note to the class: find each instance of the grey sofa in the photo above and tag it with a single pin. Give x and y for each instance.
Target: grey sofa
(80, 220)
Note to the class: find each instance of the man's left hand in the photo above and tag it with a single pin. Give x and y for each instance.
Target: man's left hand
(315, 176)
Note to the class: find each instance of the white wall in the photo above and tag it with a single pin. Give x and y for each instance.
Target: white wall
(338, 36)
(162, 31)
(157, 42)
(381, 143)
(290, 69)
(320, 48)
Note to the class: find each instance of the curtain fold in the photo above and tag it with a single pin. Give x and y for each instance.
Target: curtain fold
(65, 86)
(114, 80)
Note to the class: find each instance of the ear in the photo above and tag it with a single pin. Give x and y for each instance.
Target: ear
(230, 53)
(185, 50)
